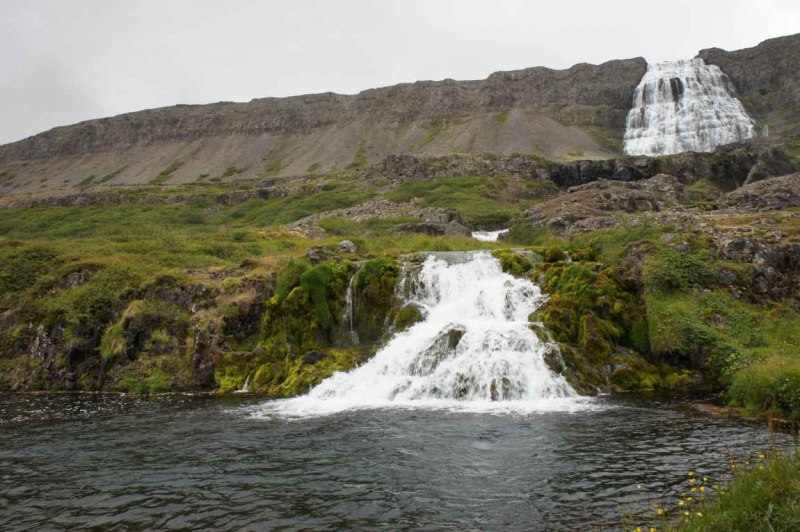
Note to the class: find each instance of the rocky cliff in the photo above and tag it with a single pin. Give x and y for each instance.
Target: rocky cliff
(767, 77)
(563, 115)
(575, 112)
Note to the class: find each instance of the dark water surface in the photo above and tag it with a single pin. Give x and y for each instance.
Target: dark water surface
(182, 462)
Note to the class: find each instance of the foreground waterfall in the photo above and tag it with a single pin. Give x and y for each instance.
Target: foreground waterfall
(473, 349)
(685, 106)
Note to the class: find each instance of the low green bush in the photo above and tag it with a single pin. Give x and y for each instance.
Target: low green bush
(771, 384)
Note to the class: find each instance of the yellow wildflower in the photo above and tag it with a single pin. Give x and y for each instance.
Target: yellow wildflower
(660, 511)
(686, 514)
(761, 456)
(699, 514)
(639, 487)
(688, 498)
(691, 473)
(681, 503)
(692, 481)
(694, 490)
(702, 488)
(705, 479)
(761, 468)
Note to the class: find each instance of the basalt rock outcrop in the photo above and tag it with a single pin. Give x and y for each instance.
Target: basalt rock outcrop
(536, 110)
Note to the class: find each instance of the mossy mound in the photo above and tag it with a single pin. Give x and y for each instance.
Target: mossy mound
(513, 262)
(592, 307)
(276, 374)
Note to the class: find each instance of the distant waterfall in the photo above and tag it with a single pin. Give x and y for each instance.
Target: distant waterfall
(474, 346)
(685, 106)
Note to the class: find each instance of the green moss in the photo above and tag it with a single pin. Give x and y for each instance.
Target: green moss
(592, 307)
(513, 263)
(406, 317)
(374, 297)
(295, 376)
(152, 378)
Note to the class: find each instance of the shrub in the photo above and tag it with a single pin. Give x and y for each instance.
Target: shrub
(773, 383)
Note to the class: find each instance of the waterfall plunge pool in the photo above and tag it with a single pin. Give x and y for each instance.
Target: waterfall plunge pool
(198, 463)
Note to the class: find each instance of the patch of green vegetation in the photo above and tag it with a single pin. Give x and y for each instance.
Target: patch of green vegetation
(374, 297)
(272, 169)
(526, 234)
(108, 177)
(22, 265)
(277, 211)
(87, 181)
(149, 375)
(501, 118)
(772, 384)
(576, 154)
(6, 175)
(370, 227)
(202, 177)
(513, 263)
(166, 173)
(476, 198)
(606, 137)
(359, 159)
(232, 171)
(763, 496)
(313, 168)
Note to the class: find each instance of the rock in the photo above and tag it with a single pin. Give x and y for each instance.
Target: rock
(313, 356)
(346, 246)
(776, 193)
(259, 351)
(454, 336)
(407, 316)
(318, 254)
(208, 343)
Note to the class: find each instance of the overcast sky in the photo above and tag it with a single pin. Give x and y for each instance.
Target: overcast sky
(67, 61)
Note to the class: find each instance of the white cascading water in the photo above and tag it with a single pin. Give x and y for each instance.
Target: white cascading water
(488, 236)
(685, 106)
(497, 365)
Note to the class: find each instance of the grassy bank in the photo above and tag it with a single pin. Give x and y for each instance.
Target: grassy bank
(764, 495)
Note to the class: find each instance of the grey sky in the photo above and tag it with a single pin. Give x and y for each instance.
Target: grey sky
(64, 61)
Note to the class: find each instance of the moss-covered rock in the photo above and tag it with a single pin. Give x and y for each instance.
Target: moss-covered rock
(408, 315)
(374, 300)
(276, 374)
(513, 262)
